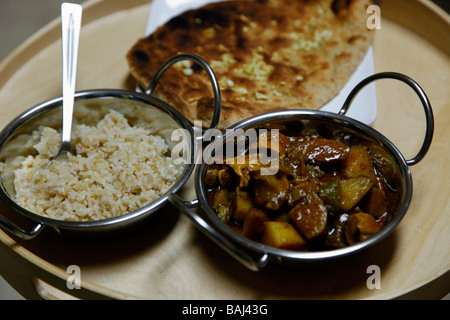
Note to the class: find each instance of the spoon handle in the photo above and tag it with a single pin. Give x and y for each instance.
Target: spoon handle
(71, 26)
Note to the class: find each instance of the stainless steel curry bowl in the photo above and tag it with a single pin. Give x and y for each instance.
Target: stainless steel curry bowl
(255, 255)
(89, 105)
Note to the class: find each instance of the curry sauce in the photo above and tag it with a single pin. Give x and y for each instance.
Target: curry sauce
(327, 193)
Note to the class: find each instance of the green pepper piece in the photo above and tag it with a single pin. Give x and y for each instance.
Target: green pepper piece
(330, 195)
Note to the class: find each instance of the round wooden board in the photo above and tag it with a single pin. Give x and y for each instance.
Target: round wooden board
(168, 258)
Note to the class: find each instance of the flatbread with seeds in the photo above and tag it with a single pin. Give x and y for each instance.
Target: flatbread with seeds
(267, 55)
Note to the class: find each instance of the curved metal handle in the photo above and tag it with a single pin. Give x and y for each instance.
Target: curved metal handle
(420, 93)
(207, 68)
(217, 237)
(19, 232)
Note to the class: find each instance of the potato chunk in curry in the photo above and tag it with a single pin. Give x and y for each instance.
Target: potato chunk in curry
(282, 235)
(353, 190)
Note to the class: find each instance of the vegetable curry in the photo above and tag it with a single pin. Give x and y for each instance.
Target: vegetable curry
(327, 193)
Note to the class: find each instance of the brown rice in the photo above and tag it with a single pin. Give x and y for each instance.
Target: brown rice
(116, 169)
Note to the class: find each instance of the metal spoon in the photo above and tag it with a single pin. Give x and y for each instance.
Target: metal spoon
(71, 24)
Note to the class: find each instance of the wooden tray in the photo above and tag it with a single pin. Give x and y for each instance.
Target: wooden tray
(169, 258)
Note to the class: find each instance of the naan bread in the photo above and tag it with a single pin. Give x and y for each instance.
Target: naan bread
(267, 55)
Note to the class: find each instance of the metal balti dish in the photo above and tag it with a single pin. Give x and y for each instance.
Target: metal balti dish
(255, 255)
(49, 114)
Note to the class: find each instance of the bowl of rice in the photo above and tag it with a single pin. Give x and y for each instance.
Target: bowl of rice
(125, 162)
